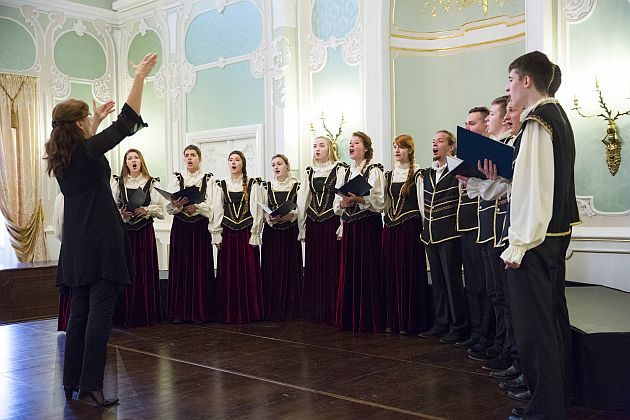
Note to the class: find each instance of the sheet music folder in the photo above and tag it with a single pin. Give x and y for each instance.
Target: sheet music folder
(136, 200)
(193, 195)
(357, 186)
(283, 209)
(473, 147)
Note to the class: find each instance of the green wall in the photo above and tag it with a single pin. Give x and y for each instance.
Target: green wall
(17, 48)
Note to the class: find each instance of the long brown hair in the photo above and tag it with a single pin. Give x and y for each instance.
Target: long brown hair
(64, 135)
(244, 160)
(406, 142)
(124, 172)
(367, 142)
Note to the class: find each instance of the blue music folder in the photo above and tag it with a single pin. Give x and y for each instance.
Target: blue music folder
(473, 148)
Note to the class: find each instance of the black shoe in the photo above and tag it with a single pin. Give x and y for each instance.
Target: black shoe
(516, 384)
(498, 363)
(479, 347)
(69, 391)
(434, 332)
(518, 412)
(388, 330)
(520, 395)
(450, 338)
(469, 342)
(98, 398)
(509, 373)
(403, 332)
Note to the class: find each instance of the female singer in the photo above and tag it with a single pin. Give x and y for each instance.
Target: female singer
(281, 249)
(318, 225)
(191, 280)
(140, 304)
(403, 264)
(239, 283)
(360, 301)
(95, 257)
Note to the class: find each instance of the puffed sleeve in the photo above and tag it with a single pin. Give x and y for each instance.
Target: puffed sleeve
(303, 201)
(341, 177)
(217, 214)
(375, 201)
(420, 193)
(205, 207)
(255, 238)
(155, 208)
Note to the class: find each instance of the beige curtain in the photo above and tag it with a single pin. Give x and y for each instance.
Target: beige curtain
(20, 166)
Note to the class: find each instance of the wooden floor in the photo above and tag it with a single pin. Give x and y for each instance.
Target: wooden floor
(258, 371)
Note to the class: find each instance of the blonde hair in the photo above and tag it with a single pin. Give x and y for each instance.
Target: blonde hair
(332, 148)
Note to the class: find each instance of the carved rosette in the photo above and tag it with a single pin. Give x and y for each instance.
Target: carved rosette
(258, 61)
(79, 28)
(61, 84)
(352, 48)
(175, 79)
(579, 10)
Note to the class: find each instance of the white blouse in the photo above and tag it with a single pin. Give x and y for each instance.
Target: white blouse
(155, 208)
(236, 185)
(399, 175)
(320, 170)
(375, 201)
(280, 186)
(205, 208)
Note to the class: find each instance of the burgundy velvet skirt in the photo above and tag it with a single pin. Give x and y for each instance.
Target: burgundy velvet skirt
(191, 283)
(321, 271)
(239, 281)
(281, 274)
(404, 274)
(361, 296)
(65, 304)
(140, 305)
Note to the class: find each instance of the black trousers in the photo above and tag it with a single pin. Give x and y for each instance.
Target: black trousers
(493, 268)
(541, 327)
(445, 261)
(87, 334)
(479, 306)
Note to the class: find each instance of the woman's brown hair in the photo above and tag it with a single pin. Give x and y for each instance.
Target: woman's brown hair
(194, 148)
(367, 142)
(64, 135)
(406, 142)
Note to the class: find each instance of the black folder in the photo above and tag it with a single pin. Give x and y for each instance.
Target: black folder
(283, 209)
(357, 186)
(193, 195)
(473, 148)
(135, 200)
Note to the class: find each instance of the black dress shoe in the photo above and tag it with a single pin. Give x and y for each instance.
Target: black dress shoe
(388, 330)
(469, 342)
(402, 332)
(516, 411)
(97, 398)
(516, 384)
(520, 395)
(434, 332)
(509, 373)
(450, 338)
(498, 363)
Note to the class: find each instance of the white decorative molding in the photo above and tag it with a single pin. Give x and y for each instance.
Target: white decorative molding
(61, 84)
(216, 145)
(100, 88)
(577, 11)
(258, 60)
(142, 27)
(175, 79)
(353, 46)
(501, 30)
(79, 28)
(586, 207)
(318, 54)
(221, 62)
(220, 5)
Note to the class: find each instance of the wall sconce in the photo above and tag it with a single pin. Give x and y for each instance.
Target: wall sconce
(333, 137)
(611, 139)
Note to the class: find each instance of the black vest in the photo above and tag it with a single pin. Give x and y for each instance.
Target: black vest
(355, 212)
(440, 207)
(236, 213)
(135, 223)
(182, 215)
(322, 198)
(550, 115)
(402, 208)
(467, 211)
(276, 198)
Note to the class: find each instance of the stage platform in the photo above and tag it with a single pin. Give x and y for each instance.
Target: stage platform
(600, 323)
